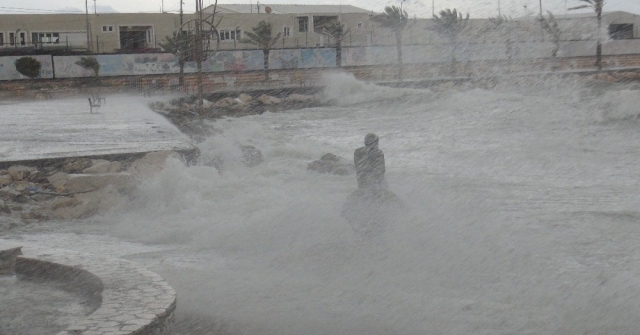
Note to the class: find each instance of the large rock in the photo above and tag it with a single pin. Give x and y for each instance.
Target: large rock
(245, 98)
(83, 183)
(251, 156)
(62, 202)
(103, 167)
(207, 104)
(4, 208)
(10, 194)
(300, 98)
(23, 186)
(20, 172)
(332, 164)
(226, 102)
(5, 180)
(59, 181)
(269, 100)
(76, 165)
(152, 163)
(38, 177)
(87, 204)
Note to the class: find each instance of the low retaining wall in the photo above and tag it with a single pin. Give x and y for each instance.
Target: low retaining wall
(129, 299)
(238, 80)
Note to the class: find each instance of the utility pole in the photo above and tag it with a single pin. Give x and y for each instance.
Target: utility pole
(95, 8)
(540, 7)
(181, 15)
(433, 8)
(86, 7)
(199, 54)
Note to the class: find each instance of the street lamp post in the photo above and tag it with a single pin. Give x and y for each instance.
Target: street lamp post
(401, 2)
(540, 7)
(86, 7)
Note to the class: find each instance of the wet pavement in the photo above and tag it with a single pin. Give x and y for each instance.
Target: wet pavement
(45, 129)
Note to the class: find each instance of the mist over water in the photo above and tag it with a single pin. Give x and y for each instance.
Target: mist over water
(521, 216)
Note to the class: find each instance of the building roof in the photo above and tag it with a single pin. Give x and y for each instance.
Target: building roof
(288, 9)
(589, 14)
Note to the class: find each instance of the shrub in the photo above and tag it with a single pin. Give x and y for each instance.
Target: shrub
(28, 67)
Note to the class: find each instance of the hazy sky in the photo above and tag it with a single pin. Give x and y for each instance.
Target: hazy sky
(422, 8)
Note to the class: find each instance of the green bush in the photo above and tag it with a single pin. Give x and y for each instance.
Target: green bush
(28, 67)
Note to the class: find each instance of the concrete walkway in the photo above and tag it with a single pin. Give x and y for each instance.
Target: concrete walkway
(57, 128)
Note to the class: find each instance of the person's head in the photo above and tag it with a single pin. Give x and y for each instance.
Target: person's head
(371, 140)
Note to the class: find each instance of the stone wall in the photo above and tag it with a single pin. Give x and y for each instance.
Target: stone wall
(314, 58)
(43, 88)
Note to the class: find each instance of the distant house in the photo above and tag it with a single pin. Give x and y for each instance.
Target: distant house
(65, 33)
(298, 25)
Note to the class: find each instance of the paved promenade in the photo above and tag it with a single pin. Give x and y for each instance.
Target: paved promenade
(56, 128)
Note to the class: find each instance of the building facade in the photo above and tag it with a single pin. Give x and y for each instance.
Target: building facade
(298, 25)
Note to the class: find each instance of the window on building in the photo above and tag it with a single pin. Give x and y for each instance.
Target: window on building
(303, 24)
(135, 37)
(230, 35)
(286, 31)
(12, 39)
(321, 21)
(108, 29)
(621, 31)
(45, 38)
(23, 38)
(1, 39)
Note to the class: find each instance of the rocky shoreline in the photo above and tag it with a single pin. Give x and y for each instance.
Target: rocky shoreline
(73, 188)
(182, 112)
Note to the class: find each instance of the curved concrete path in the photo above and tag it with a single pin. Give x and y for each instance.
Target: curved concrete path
(134, 299)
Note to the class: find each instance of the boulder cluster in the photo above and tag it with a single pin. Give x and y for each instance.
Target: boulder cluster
(73, 188)
(241, 104)
(183, 112)
(332, 164)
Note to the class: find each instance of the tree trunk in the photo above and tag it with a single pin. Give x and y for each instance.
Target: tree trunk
(339, 52)
(399, 47)
(181, 78)
(454, 46)
(265, 53)
(554, 51)
(599, 43)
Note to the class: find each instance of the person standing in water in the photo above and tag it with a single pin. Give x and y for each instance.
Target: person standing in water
(369, 162)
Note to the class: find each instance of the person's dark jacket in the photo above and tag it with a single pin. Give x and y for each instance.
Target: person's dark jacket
(370, 169)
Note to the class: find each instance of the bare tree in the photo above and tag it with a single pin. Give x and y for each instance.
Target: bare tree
(597, 7)
(450, 24)
(395, 19)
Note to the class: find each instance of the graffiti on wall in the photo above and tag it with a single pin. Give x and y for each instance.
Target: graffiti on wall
(253, 60)
(8, 68)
